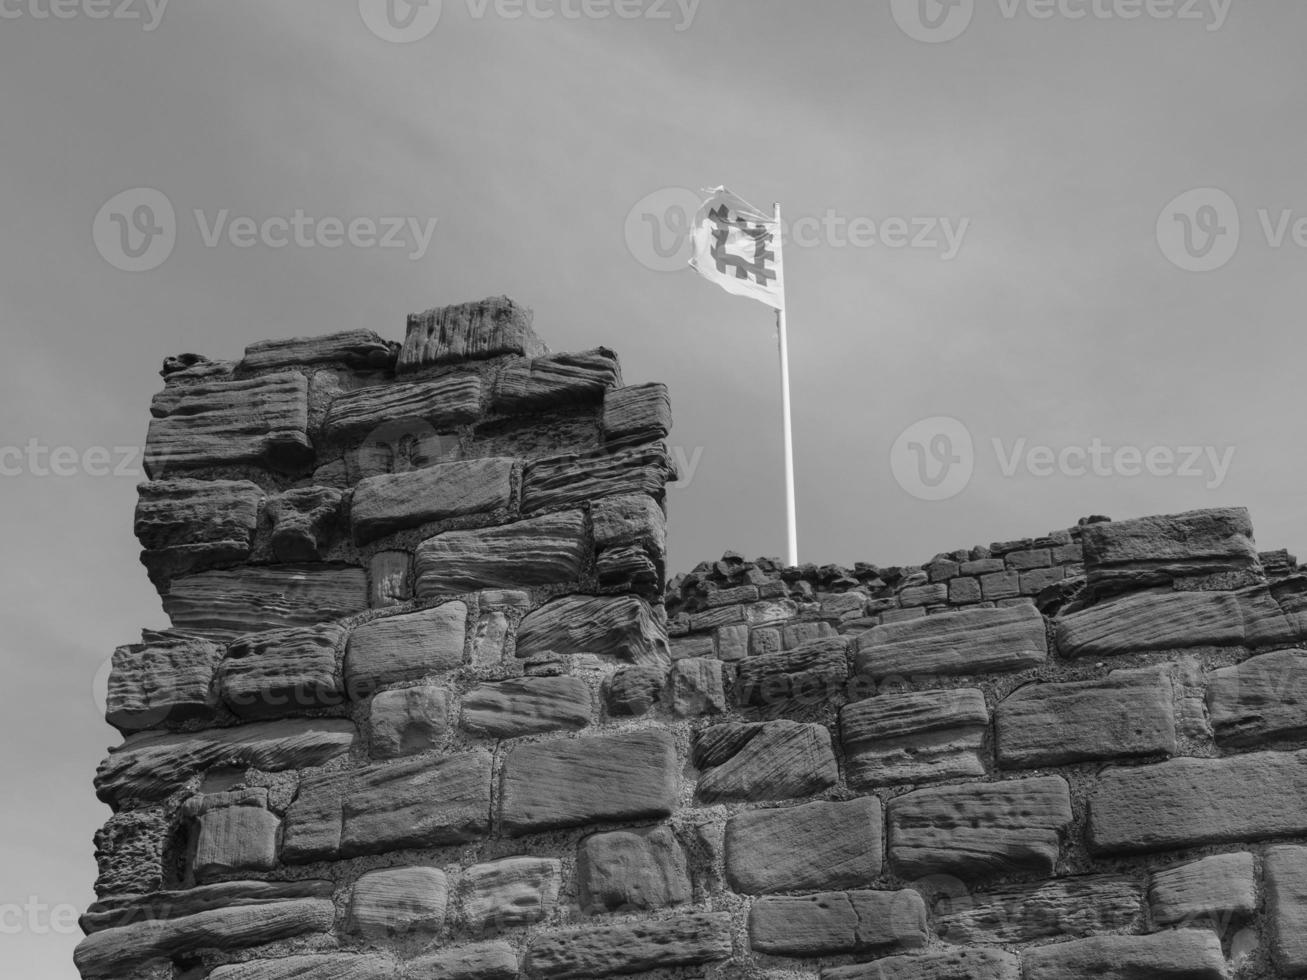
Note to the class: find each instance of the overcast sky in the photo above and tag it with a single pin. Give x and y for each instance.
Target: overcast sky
(993, 225)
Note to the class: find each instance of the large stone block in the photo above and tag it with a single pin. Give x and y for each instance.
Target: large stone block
(416, 802)
(1065, 908)
(573, 479)
(687, 939)
(1191, 802)
(166, 679)
(772, 760)
(1128, 713)
(528, 706)
(1286, 906)
(127, 910)
(466, 331)
(148, 767)
(949, 964)
(570, 782)
(235, 833)
(620, 627)
(224, 603)
(775, 683)
(698, 687)
(830, 923)
(353, 348)
(1260, 699)
(479, 961)
(407, 721)
(443, 403)
(397, 901)
(975, 641)
(626, 870)
(555, 379)
(1185, 954)
(636, 415)
(405, 648)
(260, 422)
(187, 525)
(129, 852)
(283, 672)
(512, 891)
(549, 550)
(306, 522)
(1212, 891)
(914, 738)
(396, 501)
(311, 967)
(980, 828)
(118, 951)
(815, 845)
(1123, 555)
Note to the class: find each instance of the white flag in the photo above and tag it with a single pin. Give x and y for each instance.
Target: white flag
(738, 247)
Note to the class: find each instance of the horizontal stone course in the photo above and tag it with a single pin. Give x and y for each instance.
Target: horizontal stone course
(393, 502)
(976, 641)
(1184, 954)
(773, 760)
(548, 550)
(814, 845)
(619, 627)
(951, 964)
(1064, 908)
(1262, 698)
(917, 737)
(685, 939)
(225, 603)
(830, 923)
(491, 327)
(452, 400)
(1215, 890)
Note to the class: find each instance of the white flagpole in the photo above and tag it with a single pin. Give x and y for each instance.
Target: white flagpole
(792, 536)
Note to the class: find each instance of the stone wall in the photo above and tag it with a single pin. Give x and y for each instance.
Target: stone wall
(427, 711)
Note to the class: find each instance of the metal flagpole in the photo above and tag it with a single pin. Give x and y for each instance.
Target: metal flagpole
(792, 536)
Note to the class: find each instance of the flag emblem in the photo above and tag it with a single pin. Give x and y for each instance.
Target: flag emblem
(738, 247)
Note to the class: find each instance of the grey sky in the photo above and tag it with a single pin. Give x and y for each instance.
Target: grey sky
(1060, 320)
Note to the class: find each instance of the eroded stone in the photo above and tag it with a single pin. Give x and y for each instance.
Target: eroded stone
(975, 641)
(625, 870)
(549, 550)
(916, 737)
(815, 845)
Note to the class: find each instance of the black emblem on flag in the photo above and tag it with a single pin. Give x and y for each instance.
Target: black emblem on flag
(744, 268)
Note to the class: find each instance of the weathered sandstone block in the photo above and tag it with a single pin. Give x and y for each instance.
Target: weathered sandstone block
(773, 760)
(775, 683)
(1188, 802)
(186, 525)
(980, 828)
(569, 782)
(486, 328)
(225, 603)
(167, 679)
(311, 967)
(697, 687)
(305, 522)
(1286, 905)
(950, 964)
(1065, 908)
(405, 648)
(636, 415)
(129, 909)
(975, 641)
(149, 767)
(452, 400)
(555, 379)
(1185, 954)
(602, 951)
(480, 961)
(262, 422)
(625, 870)
(355, 348)
(633, 690)
(1260, 699)
(129, 852)
(914, 738)
(115, 952)
(388, 573)
(549, 550)
(411, 803)
(814, 845)
(396, 501)
(1123, 555)
(512, 891)
(235, 833)
(282, 672)
(621, 627)
(396, 901)
(527, 706)
(558, 482)
(407, 721)
(1128, 713)
(838, 922)
(1213, 890)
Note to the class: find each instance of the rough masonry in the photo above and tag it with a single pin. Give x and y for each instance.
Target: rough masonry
(429, 709)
